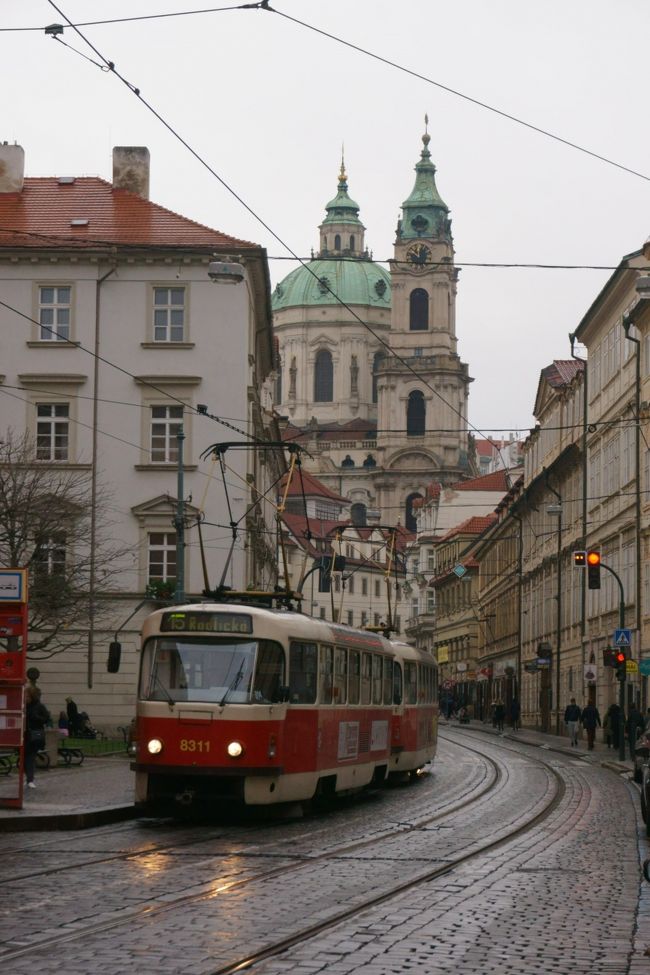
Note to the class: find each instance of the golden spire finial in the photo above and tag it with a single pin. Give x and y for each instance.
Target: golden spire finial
(342, 174)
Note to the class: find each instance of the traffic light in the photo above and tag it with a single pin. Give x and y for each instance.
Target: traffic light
(580, 559)
(326, 565)
(609, 657)
(593, 570)
(621, 665)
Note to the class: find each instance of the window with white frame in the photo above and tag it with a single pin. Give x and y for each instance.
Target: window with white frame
(54, 313)
(168, 314)
(52, 431)
(162, 556)
(165, 424)
(49, 557)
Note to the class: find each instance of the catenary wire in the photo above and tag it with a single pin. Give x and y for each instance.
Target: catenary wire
(203, 162)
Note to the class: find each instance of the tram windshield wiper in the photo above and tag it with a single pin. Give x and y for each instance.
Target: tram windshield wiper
(234, 684)
(157, 681)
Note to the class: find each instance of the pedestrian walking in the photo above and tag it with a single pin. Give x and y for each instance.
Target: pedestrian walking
(611, 725)
(572, 720)
(499, 713)
(515, 711)
(633, 727)
(36, 717)
(590, 719)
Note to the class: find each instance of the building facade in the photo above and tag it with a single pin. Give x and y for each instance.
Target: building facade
(114, 339)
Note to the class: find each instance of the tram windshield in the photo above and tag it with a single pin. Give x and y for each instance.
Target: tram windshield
(217, 671)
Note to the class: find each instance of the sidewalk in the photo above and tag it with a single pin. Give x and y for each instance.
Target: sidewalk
(72, 797)
(601, 754)
(101, 790)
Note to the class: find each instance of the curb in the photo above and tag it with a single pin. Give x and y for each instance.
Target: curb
(68, 821)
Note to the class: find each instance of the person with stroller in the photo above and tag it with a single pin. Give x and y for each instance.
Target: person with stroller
(79, 725)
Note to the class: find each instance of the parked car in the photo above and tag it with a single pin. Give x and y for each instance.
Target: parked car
(645, 783)
(641, 754)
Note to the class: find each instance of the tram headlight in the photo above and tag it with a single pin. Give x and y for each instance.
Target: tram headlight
(154, 746)
(235, 749)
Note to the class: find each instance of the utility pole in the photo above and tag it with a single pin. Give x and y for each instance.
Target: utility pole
(179, 521)
(621, 688)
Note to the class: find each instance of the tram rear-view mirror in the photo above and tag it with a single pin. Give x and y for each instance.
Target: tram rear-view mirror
(114, 657)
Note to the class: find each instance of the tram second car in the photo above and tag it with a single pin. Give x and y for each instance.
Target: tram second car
(267, 706)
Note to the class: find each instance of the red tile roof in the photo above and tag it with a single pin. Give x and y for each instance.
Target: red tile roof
(562, 371)
(472, 526)
(40, 216)
(496, 481)
(356, 429)
(312, 487)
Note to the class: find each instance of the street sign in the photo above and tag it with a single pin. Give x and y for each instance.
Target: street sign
(622, 638)
(644, 667)
(459, 570)
(543, 661)
(631, 667)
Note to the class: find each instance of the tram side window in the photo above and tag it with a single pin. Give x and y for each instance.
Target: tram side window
(302, 673)
(340, 675)
(434, 684)
(388, 681)
(366, 672)
(376, 679)
(353, 678)
(269, 672)
(411, 682)
(325, 694)
(397, 683)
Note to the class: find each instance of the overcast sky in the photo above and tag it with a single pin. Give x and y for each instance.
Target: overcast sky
(268, 104)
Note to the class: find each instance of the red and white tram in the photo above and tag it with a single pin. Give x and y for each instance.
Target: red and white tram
(238, 702)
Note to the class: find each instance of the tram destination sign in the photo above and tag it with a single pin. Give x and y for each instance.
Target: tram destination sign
(194, 621)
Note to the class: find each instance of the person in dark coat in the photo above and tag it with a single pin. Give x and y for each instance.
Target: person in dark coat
(499, 713)
(572, 716)
(590, 719)
(611, 725)
(633, 727)
(36, 717)
(515, 711)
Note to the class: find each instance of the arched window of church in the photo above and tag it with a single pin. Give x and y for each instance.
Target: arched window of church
(337, 242)
(418, 310)
(324, 244)
(416, 413)
(376, 362)
(323, 377)
(278, 385)
(409, 518)
(351, 242)
(358, 514)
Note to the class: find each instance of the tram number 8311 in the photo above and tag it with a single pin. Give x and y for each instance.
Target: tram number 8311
(192, 745)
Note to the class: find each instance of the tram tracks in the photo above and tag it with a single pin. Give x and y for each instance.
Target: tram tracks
(345, 852)
(444, 808)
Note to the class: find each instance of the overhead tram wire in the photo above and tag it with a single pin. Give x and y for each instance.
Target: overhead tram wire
(114, 365)
(203, 162)
(264, 5)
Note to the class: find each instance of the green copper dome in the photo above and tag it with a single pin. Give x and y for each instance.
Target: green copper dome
(424, 212)
(342, 209)
(356, 282)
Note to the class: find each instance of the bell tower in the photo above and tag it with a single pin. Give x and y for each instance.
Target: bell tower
(422, 386)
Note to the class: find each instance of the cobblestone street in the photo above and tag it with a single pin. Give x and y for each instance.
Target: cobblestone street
(560, 895)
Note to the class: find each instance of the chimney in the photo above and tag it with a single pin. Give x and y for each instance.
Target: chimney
(12, 168)
(131, 169)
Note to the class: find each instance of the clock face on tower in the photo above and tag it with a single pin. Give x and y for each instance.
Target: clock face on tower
(418, 255)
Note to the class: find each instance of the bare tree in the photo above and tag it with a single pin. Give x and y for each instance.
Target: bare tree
(45, 527)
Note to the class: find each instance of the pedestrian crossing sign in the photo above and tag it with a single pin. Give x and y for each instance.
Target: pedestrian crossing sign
(622, 638)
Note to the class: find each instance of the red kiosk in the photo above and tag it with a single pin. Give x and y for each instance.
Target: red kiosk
(13, 654)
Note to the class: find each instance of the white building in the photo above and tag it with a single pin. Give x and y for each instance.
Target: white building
(112, 335)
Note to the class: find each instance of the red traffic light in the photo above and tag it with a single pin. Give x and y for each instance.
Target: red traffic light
(620, 657)
(593, 558)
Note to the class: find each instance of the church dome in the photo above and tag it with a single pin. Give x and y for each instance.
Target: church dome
(355, 282)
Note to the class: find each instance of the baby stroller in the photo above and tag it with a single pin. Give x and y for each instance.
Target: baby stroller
(79, 725)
